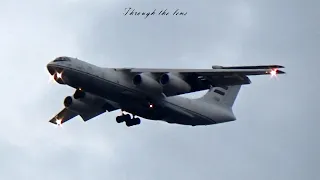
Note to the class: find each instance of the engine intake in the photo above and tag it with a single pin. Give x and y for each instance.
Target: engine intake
(164, 79)
(147, 83)
(137, 80)
(79, 94)
(174, 83)
(93, 100)
(75, 105)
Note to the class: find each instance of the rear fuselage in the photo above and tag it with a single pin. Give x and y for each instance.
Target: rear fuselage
(117, 86)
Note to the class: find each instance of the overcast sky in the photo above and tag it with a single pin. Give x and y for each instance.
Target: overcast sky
(276, 135)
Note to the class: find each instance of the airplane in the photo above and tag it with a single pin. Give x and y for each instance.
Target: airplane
(152, 94)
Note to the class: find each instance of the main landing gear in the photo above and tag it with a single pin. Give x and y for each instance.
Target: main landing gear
(127, 118)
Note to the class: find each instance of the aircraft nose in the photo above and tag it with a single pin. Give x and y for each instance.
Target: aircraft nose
(50, 68)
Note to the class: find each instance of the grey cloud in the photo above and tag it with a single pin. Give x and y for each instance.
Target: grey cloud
(275, 136)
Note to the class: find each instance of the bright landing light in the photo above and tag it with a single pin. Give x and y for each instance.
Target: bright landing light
(273, 73)
(57, 75)
(59, 122)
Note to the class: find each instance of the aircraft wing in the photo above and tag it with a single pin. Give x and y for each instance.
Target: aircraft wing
(66, 114)
(202, 79)
(217, 71)
(63, 116)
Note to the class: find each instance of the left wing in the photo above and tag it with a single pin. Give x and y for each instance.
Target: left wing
(202, 79)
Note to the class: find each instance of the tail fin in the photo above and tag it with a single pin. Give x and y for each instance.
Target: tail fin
(225, 95)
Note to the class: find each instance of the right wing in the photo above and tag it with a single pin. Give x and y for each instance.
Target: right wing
(66, 115)
(91, 112)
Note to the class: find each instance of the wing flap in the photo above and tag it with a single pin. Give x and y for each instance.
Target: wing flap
(110, 106)
(253, 67)
(210, 72)
(243, 72)
(88, 116)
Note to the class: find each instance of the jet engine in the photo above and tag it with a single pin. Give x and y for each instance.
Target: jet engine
(147, 83)
(75, 105)
(88, 98)
(93, 100)
(174, 83)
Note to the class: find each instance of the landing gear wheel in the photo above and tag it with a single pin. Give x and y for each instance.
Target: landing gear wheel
(133, 122)
(123, 118)
(129, 123)
(136, 121)
(119, 119)
(127, 117)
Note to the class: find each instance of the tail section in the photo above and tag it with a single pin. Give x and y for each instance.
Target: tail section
(225, 95)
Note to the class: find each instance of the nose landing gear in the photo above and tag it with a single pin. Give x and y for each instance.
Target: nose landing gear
(129, 121)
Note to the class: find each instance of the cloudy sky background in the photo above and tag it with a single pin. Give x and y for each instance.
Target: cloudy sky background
(275, 136)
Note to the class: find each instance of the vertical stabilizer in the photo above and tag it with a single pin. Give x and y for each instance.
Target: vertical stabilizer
(225, 95)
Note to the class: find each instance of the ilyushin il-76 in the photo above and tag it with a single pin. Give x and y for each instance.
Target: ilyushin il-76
(152, 94)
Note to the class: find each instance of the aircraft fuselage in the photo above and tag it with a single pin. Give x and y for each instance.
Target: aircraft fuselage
(117, 86)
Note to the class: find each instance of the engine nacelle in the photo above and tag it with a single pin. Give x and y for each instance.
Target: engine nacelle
(173, 83)
(147, 83)
(88, 98)
(75, 105)
(93, 100)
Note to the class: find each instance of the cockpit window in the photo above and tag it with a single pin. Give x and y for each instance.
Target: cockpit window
(61, 59)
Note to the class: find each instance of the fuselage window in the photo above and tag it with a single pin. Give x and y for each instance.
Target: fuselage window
(61, 59)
